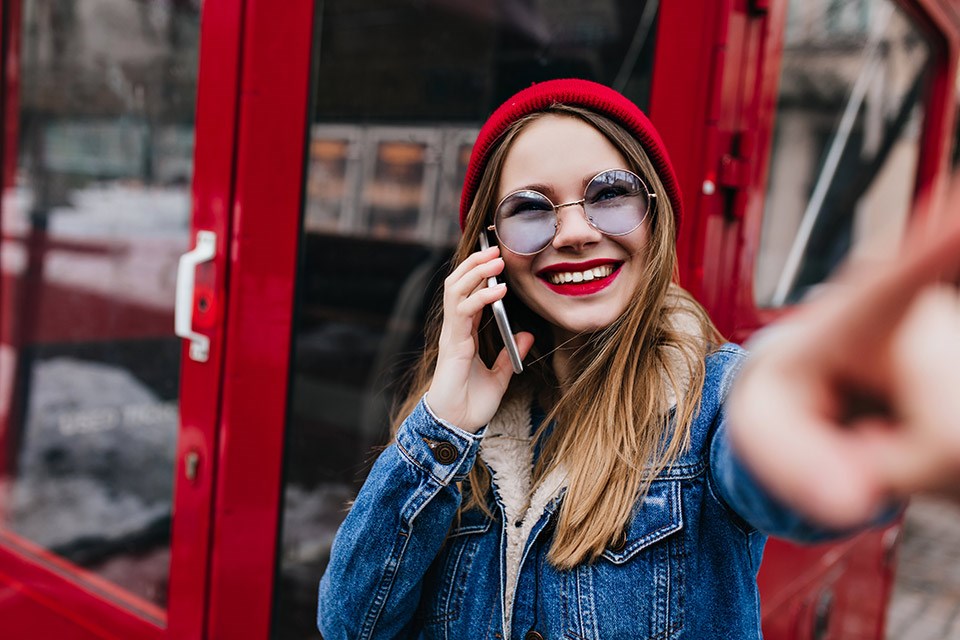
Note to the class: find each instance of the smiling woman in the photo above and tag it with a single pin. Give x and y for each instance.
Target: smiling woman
(637, 491)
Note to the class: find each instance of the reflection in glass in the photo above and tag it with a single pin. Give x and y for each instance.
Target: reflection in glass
(388, 152)
(95, 214)
(332, 177)
(846, 142)
(397, 186)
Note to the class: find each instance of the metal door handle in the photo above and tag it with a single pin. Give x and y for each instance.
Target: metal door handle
(205, 250)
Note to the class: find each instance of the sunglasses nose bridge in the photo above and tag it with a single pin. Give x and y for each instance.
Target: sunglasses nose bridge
(557, 207)
(583, 209)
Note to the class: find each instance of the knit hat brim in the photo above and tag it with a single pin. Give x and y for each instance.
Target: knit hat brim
(575, 92)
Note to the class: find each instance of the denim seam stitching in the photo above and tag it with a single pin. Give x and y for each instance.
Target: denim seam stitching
(384, 588)
(429, 472)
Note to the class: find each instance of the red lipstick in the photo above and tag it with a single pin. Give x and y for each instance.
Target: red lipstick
(585, 287)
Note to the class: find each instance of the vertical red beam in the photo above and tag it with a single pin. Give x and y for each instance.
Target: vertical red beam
(10, 13)
(213, 185)
(686, 104)
(272, 133)
(942, 21)
(11, 337)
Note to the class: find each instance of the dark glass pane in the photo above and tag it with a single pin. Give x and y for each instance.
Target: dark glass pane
(402, 89)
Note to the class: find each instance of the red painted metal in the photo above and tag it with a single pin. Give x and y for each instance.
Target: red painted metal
(9, 296)
(941, 19)
(272, 138)
(31, 578)
(838, 579)
(200, 383)
(793, 580)
(685, 100)
(943, 25)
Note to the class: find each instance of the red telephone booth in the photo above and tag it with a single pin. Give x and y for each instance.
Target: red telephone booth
(278, 182)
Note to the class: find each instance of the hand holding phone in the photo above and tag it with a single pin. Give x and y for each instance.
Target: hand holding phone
(500, 315)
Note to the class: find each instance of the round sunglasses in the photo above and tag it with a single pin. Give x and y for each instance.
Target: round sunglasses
(615, 202)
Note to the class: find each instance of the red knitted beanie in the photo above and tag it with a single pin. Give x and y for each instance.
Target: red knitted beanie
(582, 93)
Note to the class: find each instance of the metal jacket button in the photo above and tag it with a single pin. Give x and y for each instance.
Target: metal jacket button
(444, 452)
(533, 635)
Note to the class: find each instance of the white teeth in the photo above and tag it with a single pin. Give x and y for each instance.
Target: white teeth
(581, 276)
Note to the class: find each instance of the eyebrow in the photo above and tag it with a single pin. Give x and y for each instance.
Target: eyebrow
(548, 191)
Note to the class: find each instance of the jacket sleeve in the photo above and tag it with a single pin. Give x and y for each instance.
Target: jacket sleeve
(742, 493)
(395, 530)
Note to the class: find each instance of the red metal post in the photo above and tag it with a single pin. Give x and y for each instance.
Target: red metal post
(271, 138)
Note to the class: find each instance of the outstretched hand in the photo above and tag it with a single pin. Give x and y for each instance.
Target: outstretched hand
(855, 399)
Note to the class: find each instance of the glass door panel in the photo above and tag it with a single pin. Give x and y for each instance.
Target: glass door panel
(846, 142)
(95, 214)
(387, 154)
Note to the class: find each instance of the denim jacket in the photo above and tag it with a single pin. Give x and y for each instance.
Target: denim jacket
(401, 567)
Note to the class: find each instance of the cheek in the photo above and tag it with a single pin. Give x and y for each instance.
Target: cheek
(515, 268)
(519, 276)
(637, 243)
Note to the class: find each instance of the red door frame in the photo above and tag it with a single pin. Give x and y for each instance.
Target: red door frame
(272, 135)
(42, 594)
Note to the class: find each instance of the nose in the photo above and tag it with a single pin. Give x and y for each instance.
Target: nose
(574, 231)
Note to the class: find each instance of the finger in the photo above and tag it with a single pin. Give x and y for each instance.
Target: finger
(782, 432)
(849, 329)
(474, 278)
(885, 291)
(925, 356)
(502, 367)
(470, 262)
(472, 305)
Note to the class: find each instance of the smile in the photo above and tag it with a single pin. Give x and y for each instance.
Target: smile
(580, 276)
(580, 279)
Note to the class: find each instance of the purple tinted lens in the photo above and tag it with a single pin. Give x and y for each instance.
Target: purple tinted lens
(616, 202)
(525, 222)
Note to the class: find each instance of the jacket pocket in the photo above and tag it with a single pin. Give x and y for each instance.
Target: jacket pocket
(446, 582)
(659, 516)
(636, 588)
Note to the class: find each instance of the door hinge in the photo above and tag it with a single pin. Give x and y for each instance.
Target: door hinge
(735, 172)
(735, 164)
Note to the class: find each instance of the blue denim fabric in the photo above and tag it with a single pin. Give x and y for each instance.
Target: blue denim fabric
(402, 568)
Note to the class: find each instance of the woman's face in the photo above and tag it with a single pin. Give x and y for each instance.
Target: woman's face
(557, 156)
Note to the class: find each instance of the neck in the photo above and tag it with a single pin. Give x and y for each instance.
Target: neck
(567, 344)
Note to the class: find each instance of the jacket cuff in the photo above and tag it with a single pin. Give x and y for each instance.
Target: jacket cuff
(442, 450)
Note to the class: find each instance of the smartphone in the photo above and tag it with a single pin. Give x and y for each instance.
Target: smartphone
(500, 315)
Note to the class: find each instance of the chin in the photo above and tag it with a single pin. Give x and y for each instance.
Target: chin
(582, 327)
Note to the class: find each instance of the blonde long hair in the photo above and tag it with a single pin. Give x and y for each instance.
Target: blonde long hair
(614, 445)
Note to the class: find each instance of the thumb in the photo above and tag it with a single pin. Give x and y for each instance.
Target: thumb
(524, 343)
(502, 368)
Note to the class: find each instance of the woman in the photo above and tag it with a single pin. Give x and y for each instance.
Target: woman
(597, 494)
